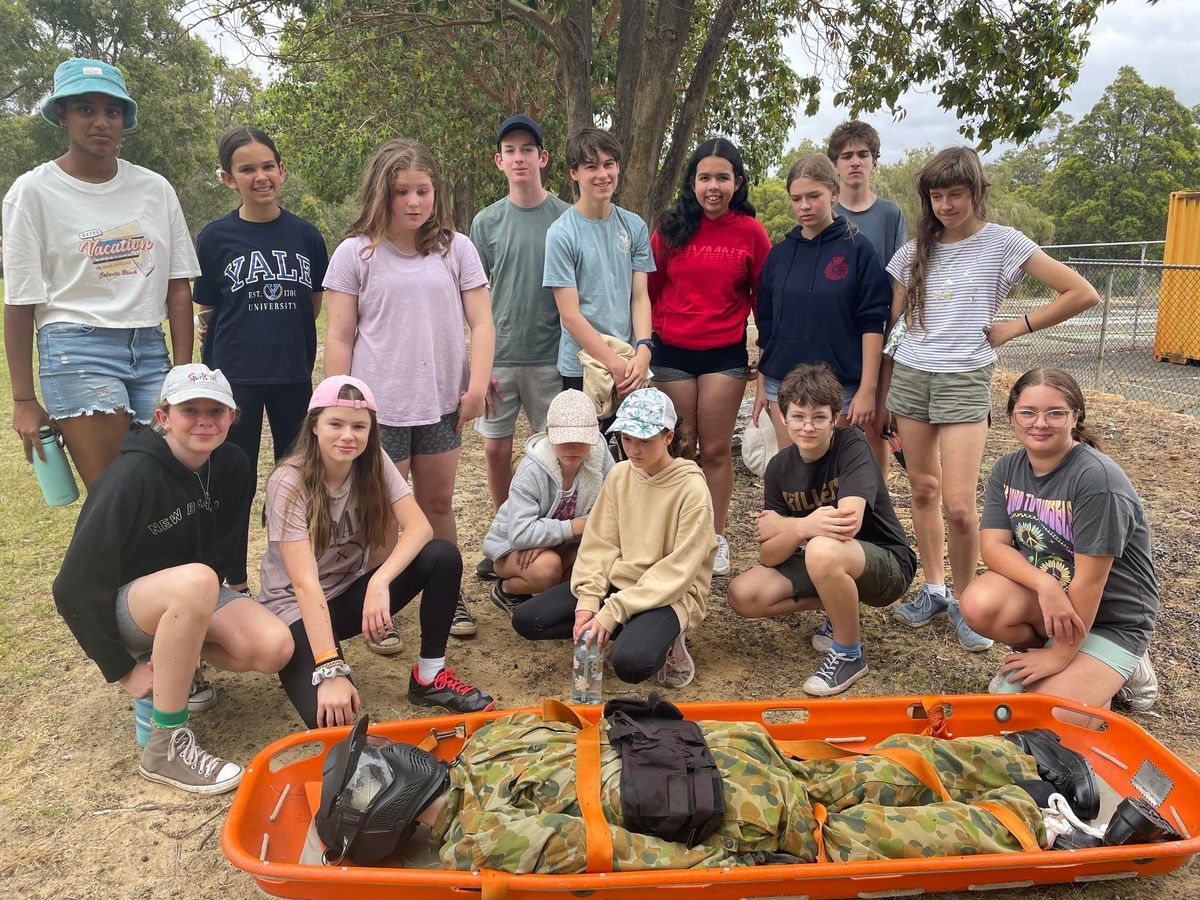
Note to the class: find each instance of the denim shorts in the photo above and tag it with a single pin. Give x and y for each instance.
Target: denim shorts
(85, 369)
(400, 442)
(137, 641)
(771, 389)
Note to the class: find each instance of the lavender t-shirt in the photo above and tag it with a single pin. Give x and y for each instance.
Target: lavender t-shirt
(341, 563)
(410, 346)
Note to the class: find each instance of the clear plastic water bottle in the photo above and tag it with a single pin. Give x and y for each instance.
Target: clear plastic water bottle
(587, 674)
(54, 473)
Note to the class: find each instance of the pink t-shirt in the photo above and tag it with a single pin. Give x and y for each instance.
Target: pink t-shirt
(341, 564)
(410, 348)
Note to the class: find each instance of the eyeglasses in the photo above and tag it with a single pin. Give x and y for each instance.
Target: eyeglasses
(816, 423)
(1055, 418)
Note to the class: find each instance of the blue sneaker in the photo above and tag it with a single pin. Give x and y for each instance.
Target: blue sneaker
(971, 640)
(921, 609)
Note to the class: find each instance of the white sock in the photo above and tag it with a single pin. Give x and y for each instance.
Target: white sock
(938, 590)
(427, 669)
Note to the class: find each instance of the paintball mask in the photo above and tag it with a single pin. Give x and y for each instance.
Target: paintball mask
(372, 790)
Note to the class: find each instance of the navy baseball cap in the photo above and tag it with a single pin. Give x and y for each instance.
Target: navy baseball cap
(519, 122)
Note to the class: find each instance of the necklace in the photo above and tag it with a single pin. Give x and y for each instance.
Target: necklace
(963, 257)
(205, 483)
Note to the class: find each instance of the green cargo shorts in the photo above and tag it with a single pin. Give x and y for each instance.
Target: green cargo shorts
(941, 398)
(882, 581)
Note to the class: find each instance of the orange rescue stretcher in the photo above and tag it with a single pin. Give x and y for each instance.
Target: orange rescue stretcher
(269, 819)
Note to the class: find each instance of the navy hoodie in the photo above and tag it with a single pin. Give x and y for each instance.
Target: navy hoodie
(145, 513)
(817, 298)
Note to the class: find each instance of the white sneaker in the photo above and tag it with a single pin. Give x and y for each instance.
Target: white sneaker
(1141, 688)
(679, 669)
(721, 563)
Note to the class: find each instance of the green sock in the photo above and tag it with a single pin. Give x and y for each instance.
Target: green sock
(169, 720)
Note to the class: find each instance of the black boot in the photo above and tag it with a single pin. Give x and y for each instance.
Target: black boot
(1069, 772)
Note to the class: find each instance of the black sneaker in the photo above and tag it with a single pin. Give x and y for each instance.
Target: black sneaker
(485, 570)
(447, 692)
(506, 601)
(463, 623)
(836, 674)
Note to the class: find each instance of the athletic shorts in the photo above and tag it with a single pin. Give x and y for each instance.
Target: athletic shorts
(670, 363)
(137, 641)
(402, 441)
(521, 387)
(86, 369)
(882, 580)
(771, 389)
(941, 398)
(1096, 646)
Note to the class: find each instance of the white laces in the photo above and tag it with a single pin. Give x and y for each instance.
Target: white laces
(183, 744)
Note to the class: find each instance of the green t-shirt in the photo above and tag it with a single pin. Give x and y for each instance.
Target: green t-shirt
(511, 242)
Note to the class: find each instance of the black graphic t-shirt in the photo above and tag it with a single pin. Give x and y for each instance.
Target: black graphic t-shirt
(1088, 506)
(259, 277)
(793, 487)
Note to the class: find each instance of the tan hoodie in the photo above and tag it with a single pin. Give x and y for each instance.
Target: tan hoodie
(652, 539)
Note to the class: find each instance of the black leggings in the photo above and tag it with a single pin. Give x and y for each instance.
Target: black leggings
(437, 571)
(639, 647)
(286, 406)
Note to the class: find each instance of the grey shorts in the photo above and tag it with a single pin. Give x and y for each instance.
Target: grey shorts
(401, 441)
(521, 387)
(882, 580)
(666, 373)
(137, 641)
(941, 398)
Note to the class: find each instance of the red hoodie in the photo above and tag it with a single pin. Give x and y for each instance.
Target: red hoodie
(701, 294)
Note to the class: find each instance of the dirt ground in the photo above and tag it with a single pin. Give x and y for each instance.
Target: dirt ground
(76, 820)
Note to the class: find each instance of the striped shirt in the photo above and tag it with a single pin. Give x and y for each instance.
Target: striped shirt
(965, 284)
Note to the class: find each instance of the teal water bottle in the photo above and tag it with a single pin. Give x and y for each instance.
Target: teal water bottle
(54, 474)
(142, 709)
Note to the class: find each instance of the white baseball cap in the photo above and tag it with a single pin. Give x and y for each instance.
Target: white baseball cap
(571, 419)
(195, 381)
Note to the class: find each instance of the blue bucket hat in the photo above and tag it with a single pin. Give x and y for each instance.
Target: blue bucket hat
(644, 413)
(89, 76)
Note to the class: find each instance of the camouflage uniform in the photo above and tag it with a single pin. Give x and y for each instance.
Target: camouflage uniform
(512, 803)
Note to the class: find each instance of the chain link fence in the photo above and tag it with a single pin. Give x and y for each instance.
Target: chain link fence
(1141, 341)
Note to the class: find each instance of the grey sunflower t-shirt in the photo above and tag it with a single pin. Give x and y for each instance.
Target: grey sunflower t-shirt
(1087, 506)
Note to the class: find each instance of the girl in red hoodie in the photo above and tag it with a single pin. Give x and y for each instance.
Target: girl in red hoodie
(708, 251)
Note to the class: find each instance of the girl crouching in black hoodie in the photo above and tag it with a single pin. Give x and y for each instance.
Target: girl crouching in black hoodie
(144, 572)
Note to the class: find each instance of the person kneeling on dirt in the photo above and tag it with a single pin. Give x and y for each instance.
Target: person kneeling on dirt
(828, 536)
(510, 802)
(535, 535)
(645, 562)
(335, 566)
(142, 585)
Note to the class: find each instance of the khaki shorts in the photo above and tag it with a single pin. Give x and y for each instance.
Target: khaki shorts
(941, 398)
(882, 580)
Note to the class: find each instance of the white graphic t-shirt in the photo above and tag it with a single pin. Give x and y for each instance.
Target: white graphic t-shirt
(95, 254)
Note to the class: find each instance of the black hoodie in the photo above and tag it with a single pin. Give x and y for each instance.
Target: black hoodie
(817, 298)
(145, 513)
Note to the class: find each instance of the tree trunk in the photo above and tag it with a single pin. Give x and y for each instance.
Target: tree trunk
(631, 46)
(576, 56)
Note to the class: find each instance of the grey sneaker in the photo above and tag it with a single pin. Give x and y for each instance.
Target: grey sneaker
(463, 623)
(1141, 688)
(836, 674)
(922, 609)
(173, 757)
(485, 570)
(822, 639)
(971, 640)
(679, 669)
(390, 644)
(202, 694)
(506, 601)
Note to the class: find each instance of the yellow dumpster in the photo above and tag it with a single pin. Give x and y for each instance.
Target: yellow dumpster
(1177, 338)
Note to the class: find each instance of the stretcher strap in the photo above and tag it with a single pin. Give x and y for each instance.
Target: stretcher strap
(1015, 825)
(821, 814)
(429, 744)
(936, 717)
(554, 711)
(911, 761)
(587, 789)
(494, 883)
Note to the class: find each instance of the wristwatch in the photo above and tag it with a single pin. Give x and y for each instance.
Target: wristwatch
(643, 342)
(330, 670)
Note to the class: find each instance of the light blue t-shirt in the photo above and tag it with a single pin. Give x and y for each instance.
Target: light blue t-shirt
(598, 259)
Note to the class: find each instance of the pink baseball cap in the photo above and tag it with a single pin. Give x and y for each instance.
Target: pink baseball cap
(327, 392)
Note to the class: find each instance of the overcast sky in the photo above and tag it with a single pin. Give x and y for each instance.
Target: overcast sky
(1162, 42)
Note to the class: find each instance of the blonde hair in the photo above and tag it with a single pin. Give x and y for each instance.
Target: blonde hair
(817, 167)
(390, 159)
(952, 167)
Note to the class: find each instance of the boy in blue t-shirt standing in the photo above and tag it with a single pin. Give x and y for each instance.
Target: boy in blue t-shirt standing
(510, 236)
(597, 258)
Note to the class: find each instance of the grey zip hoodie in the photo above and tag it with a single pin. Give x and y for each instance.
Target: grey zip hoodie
(523, 521)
